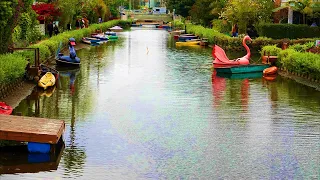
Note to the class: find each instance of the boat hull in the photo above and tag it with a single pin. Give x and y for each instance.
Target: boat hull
(242, 69)
(251, 75)
(47, 80)
(5, 109)
(67, 61)
(188, 43)
(270, 71)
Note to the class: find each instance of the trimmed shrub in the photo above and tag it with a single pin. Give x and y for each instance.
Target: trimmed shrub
(291, 31)
(12, 67)
(272, 50)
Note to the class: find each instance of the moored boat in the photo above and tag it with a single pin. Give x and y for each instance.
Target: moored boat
(92, 40)
(188, 43)
(116, 29)
(270, 71)
(47, 80)
(186, 37)
(5, 108)
(72, 59)
(102, 37)
(111, 37)
(242, 68)
(110, 33)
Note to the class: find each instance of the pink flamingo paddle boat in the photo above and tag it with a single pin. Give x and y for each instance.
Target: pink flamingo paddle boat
(221, 59)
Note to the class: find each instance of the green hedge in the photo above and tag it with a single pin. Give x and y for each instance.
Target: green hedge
(13, 65)
(270, 50)
(296, 59)
(228, 42)
(303, 63)
(291, 31)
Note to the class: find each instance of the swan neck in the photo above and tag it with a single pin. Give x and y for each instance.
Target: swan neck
(247, 48)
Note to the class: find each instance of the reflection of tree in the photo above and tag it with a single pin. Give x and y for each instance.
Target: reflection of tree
(245, 94)
(74, 157)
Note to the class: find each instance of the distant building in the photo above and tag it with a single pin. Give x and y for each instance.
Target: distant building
(152, 3)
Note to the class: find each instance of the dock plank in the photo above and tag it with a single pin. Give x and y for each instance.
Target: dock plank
(31, 129)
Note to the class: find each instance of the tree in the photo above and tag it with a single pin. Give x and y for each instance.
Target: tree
(182, 7)
(46, 11)
(217, 6)
(244, 12)
(201, 12)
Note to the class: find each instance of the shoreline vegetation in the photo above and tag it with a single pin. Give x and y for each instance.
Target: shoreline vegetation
(13, 64)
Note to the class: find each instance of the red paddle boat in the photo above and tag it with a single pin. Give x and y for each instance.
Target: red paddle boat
(5, 109)
(221, 59)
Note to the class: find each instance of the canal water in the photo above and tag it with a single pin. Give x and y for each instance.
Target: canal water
(141, 108)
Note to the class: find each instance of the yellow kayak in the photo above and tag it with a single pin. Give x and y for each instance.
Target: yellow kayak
(188, 43)
(47, 80)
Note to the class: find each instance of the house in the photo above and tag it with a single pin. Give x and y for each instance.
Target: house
(284, 12)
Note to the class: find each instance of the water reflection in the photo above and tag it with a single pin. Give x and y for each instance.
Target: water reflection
(16, 159)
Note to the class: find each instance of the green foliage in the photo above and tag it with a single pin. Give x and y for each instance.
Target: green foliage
(12, 67)
(246, 12)
(302, 47)
(304, 63)
(270, 50)
(291, 31)
(178, 25)
(7, 10)
(226, 41)
(200, 12)
(182, 7)
(221, 25)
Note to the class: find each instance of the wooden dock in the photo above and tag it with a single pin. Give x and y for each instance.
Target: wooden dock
(31, 129)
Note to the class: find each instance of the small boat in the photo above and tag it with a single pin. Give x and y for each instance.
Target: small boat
(84, 40)
(270, 71)
(44, 69)
(221, 59)
(47, 80)
(102, 37)
(112, 37)
(242, 68)
(110, 33)
(188, 43)
(92, 40)
(176, 37)
(72, 59)
(116, 29)
(5, 109)
(186, 37)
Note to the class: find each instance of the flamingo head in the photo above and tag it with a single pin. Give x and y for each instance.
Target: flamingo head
(247, 38)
